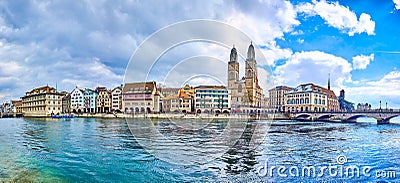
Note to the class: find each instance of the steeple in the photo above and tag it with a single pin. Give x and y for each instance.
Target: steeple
(251, 53)
(233, 56)
(233, 68)
(329, 81)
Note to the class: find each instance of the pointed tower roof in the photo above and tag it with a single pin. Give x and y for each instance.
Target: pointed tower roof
(251, 55)
(329, 81)
(233, 56)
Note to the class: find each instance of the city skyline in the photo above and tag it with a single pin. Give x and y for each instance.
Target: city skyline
(89, 43)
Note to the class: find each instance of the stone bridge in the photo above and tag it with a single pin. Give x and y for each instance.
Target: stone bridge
(350, 117)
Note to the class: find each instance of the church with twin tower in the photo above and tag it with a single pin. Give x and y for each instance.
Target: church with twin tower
(246, 94)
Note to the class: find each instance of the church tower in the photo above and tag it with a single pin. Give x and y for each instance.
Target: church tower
(329, 81)
(251, 73)
(233, 69)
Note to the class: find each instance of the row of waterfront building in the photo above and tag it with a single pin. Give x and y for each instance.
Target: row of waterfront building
(242, 95)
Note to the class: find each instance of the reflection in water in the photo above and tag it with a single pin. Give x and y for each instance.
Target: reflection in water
(98, 150)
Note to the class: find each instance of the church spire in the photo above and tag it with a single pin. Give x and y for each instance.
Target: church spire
(233, 56)
(329, 81)
(250, 52)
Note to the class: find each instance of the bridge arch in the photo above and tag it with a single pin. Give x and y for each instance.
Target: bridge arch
(354, 118)
(303, 116)
(325, 117)
(391, 117)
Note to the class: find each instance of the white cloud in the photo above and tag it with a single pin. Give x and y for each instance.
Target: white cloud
(396, 4)
(93, 41)
(314, 67)
(265, 20)
(362, 61)
(265, 79)
(9, 68)
(23, 67)
(273, 52)
(295, 33)
(339, 17)
(385, 89)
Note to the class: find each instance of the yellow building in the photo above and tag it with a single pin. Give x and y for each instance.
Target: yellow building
(182, 102)
(42, 102)
(18, 107)
(103, 101)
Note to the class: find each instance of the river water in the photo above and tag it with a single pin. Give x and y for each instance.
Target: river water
(104, 150)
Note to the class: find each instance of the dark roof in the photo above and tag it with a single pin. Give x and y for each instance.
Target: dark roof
(43, 89)
(141, 86)
(210, 86)
(118, 87)
(281, 88)
(100, 88)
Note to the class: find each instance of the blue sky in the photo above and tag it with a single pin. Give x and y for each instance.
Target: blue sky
(89, 43)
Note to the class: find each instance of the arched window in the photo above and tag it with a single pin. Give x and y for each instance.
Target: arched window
(307, 100)
(302, 101)
(249, 73)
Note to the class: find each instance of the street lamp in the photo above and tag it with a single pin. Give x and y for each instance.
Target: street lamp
(386, 106)
(380, 106)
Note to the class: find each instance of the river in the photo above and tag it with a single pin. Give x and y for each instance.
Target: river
(104, 150)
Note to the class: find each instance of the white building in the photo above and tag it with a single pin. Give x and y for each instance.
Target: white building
(277, 98)
(77, 100)
(116, 99)
(212, 99)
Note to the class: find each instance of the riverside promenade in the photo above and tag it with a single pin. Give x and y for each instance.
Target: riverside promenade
(269, 116)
